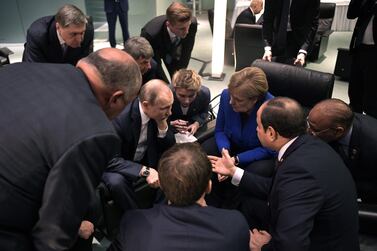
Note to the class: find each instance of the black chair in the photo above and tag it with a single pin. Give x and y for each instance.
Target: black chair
(306, 86)
(4, 56)
(248, 44)
(326, 17)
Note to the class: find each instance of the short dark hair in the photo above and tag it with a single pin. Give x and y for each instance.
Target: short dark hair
(178, 13)
(70, 14)
(184, 173)
(138, 47)
(117, 74)
(285, 115)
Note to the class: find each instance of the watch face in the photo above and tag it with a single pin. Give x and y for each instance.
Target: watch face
(146, 173)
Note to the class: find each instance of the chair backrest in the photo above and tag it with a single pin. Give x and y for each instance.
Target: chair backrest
(248, 44)
(326, 17)
(306, 86)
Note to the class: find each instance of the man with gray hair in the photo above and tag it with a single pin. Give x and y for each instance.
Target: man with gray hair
(64, 38)
(56, 140)
(141, 50)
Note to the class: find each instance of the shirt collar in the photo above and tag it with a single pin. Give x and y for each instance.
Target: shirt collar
(61, 40)
(144, 118)
(172, 36)
(284, 148)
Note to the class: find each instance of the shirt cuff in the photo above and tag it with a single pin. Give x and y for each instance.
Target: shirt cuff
(267, 48)
(303, 51)
(162, 133)
(236, 179)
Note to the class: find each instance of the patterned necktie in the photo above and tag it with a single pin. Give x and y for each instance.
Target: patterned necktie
(64, 49)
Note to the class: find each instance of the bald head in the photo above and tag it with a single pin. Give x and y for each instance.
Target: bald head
(156, 99)
(332, 114)
(256, 6)
(112, 71)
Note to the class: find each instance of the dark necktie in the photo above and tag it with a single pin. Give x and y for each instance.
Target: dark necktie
(282, 33)
(64, 49)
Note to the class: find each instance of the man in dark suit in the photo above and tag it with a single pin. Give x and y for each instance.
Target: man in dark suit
(362, 87)
(144, 133)
(191, 102)
(186, 222)
(172, 37)
(113, 9)
(56, 141)
(64, 38)
(289, 28)
(311, 192)
(141, 50)
(247, 16)
(354, 137)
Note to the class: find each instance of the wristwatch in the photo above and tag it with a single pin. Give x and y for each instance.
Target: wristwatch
(145, 172)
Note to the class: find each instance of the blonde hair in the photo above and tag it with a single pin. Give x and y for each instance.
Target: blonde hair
(187, 79)
(250, 81)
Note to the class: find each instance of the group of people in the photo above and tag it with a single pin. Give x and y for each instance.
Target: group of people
(271, 177)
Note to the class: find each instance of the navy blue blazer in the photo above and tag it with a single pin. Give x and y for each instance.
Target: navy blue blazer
(361, 158)
(42, 43)
(190, 228)
(109, 5)
(155, 31)
(128, 125)
(198, 109)
(231, 135)
(310, 195)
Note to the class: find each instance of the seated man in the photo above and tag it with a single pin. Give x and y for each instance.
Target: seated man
(247, 16)
(311, 196)
(141, 50)
(354, 137)
(143, 129)
(172, 37)
(63, 38)
(186, 222)
(191, 102)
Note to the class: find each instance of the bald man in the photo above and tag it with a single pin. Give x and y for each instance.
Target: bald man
(247, 16)
(354, 137)
(57, 139)
(143, 129)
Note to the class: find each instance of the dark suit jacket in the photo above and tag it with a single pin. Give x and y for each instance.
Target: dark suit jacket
(198, 110)
(362, 156)
(311, 194)
(304, 15)
(164, 227)
(109, 5)
(42, 44)
(55, 143)
(128, 125)
(246, 17)
(363, 10)
(155, 31)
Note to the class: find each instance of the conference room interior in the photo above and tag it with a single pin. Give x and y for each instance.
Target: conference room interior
(203, 51)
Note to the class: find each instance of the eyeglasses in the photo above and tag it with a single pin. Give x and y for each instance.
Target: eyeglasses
(314, 132)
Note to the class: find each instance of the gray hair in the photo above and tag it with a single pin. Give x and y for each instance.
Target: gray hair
(138, 47)
(117, 74)
(70, 14)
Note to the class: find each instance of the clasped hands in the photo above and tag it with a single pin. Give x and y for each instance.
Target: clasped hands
(183, 126)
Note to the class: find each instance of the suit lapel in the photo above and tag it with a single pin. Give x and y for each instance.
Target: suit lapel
(135, 123)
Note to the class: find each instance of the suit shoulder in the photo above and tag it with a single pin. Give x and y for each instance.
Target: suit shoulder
(40, 27)
(154, 26)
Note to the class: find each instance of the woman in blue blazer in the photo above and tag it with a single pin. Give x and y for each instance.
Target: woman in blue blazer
(236, 126)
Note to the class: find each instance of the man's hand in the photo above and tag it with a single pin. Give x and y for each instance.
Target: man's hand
(300, 60)
(86, 229)
(162, 124)
(193, 128)
(223, 166)
(267, 55)
(152, 178)
(258, 239)
(180, 125)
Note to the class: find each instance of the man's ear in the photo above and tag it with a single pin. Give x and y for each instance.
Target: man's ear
(272, 134)
(208, 188)
(339, 131)
(116, 100)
